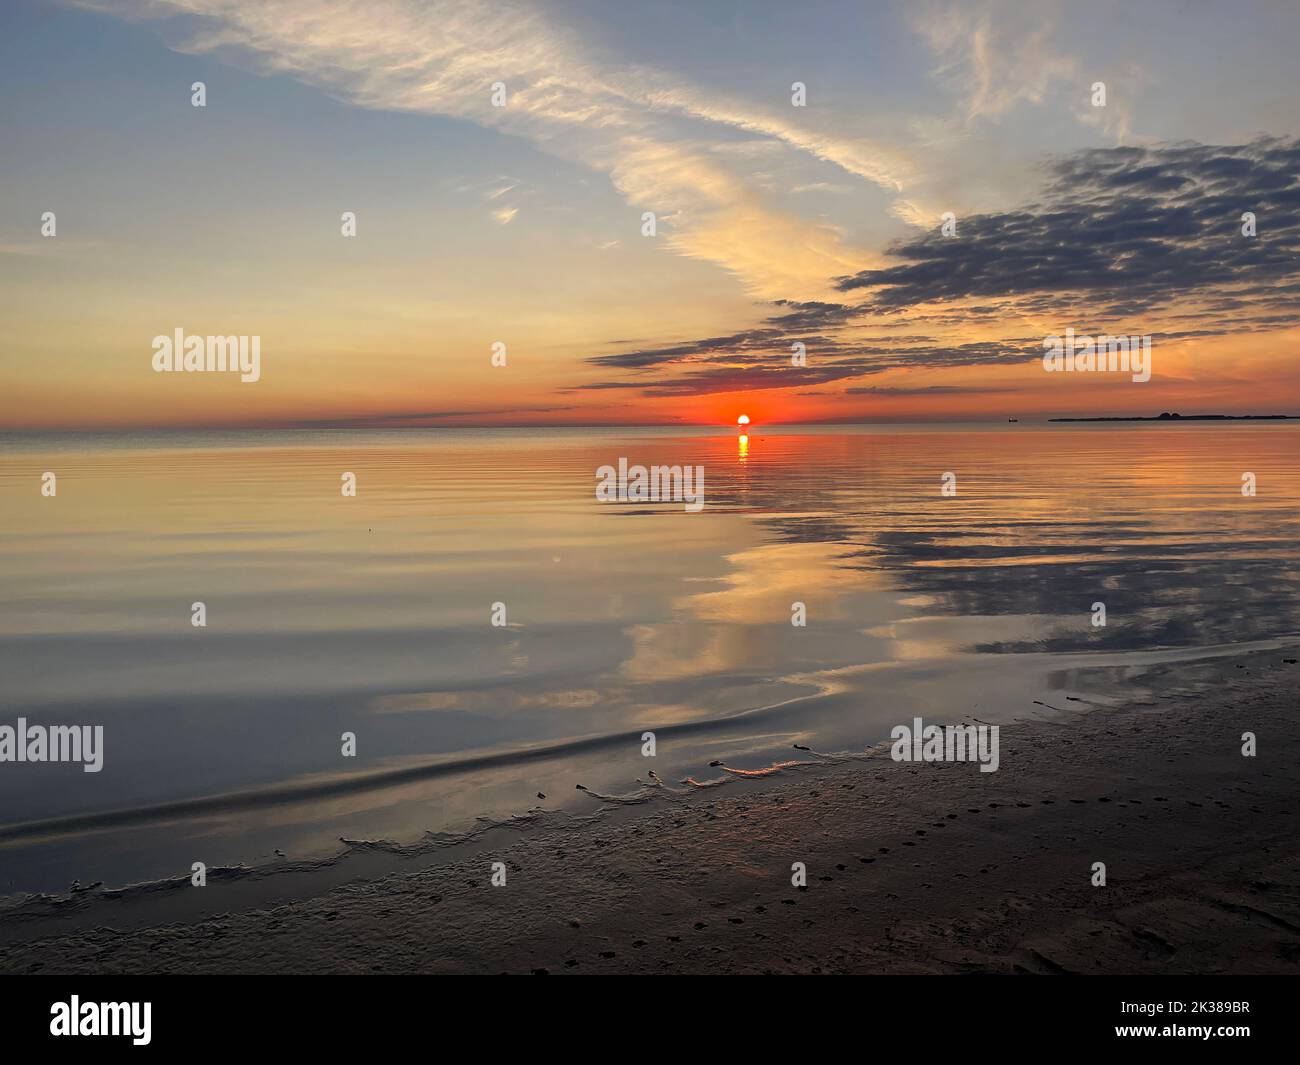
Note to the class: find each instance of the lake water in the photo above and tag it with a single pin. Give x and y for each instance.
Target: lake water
(373, 615)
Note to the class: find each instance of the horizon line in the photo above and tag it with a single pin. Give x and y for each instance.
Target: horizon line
(345, 426)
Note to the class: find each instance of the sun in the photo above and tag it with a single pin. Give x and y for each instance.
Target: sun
(743, 420)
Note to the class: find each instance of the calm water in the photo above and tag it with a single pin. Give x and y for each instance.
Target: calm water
(372, 614)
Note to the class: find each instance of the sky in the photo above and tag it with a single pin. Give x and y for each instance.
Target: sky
(523, 225)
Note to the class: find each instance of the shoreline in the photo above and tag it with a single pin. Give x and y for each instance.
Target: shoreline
(929, 867)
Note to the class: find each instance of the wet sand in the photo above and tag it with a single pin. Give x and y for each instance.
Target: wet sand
(911, 868)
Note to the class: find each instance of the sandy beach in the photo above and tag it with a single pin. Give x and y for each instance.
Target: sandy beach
(927, 868)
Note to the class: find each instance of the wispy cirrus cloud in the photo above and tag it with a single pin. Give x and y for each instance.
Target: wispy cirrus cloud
(645, 128)
(995, 55)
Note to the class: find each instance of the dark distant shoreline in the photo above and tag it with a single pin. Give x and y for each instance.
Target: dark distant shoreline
(1187, 418)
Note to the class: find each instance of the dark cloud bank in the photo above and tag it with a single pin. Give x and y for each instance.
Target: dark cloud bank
(1119, 235)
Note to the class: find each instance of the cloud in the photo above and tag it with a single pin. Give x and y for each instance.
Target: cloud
(760, 359)
(416, 419)
(1119, 233)
(920, 390)
(1123, 230)
(798, 321)
(648, 130)
(824, 186)
(998, 54)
